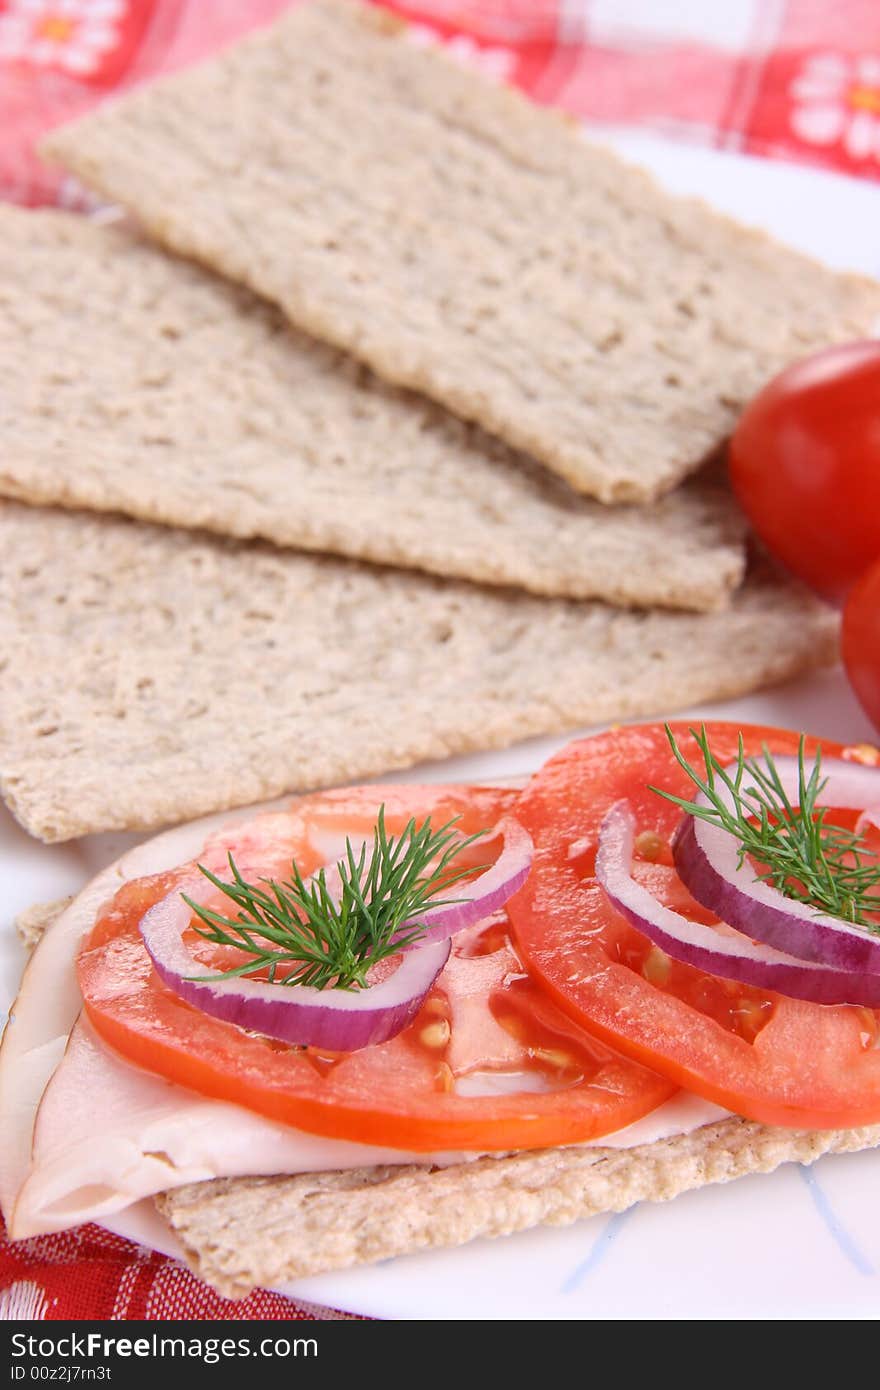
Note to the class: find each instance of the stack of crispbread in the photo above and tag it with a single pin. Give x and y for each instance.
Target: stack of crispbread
(465, 244)
(539, 296)
(474, 505)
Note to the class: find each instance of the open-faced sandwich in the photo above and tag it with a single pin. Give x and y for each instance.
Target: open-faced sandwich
(374, 1020)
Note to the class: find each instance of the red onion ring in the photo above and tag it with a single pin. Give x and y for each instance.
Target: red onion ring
(486, 894)
(730, 956)
(706, 858)
(340, 1020)
(476, 900)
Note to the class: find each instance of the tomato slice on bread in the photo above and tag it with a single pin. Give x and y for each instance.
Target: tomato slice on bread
(489, 1063)
(776, 1060)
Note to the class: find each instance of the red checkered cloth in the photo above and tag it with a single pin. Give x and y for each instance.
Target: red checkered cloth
(90, 1274)
(789, 79)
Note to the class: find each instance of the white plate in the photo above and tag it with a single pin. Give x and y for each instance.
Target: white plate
(796, 1244)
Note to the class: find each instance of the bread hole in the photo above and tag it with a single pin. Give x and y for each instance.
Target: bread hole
(610, 341)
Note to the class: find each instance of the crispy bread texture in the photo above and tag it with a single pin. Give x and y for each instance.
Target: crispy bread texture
(466, 244)
(152, 676)
(138, 383)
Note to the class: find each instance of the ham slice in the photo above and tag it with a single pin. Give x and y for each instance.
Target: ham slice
(108, 1134)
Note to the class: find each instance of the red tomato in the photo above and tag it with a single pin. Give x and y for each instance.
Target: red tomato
(805, 465)
(777, 1060)
(861, 641)
(440, 1083)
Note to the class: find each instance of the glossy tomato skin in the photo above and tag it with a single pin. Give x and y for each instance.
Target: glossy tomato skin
(861, 641)
(775, 1060)
(805, 465)
(482, 1014)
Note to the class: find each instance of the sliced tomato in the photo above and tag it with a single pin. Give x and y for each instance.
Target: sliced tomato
(769, 1058)
(489, 1063)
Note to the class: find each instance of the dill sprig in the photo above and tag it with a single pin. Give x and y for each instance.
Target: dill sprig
(803, 855)
(331, 935)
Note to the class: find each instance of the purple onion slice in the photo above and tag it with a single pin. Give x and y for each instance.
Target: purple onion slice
(486, 894)
(717, 951)
(707, 860)
(340, 1020)
(474, 901)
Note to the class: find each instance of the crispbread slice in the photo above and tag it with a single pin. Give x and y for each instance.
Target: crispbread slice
(466, 244)
(33, 921)
(240, 1233)
(150, 676)
(138, 383)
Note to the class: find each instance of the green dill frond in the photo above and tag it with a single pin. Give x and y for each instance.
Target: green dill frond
(803, 854)
(307, 932)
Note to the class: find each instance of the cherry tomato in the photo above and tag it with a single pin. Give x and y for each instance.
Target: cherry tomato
(861, 641)
(805, 464)
(780, 1061)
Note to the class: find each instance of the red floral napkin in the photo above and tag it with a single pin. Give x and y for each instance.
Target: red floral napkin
(789, 79)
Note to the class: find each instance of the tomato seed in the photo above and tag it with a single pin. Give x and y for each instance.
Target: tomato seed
(436, 1035)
